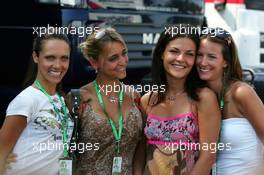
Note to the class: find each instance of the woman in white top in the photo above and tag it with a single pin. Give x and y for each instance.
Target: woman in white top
(242, 110)
(37, 127)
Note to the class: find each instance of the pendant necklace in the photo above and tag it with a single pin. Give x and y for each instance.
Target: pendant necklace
(113, 99)
(173, 97)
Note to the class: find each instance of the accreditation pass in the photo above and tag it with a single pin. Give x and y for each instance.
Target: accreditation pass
(65, 166)
(117, 165)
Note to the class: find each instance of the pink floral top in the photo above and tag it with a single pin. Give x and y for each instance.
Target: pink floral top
(172, 144)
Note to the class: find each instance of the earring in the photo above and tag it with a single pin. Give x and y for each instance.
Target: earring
(224, 76)
(96, 70)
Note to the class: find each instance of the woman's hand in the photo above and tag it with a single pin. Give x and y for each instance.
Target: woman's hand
(10, 132)
(10, 159)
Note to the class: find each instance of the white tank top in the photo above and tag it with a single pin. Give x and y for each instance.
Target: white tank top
(245, 156)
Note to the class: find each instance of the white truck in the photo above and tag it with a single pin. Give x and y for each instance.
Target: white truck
(244, 19)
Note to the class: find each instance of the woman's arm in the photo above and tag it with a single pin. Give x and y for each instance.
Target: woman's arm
(9, 134)
(250, 106)
(209, 120)
(140, 155)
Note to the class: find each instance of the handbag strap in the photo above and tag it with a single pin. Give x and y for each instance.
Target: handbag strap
(75, 95)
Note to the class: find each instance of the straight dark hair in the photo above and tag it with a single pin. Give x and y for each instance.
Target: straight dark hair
(193, 82)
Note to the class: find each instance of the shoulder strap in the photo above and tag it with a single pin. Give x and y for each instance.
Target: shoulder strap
(136, 100)
(75, 99)
(193, 107)
(153, 98)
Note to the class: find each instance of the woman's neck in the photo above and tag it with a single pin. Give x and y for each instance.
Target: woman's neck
(216, 86)
(175, 86)
(102, 80)
(50, 88)
(109, 86)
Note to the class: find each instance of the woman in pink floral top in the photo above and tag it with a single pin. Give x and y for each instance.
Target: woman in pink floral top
(183, 115)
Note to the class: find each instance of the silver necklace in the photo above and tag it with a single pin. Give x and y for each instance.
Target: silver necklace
(174, 97)
(113, 99)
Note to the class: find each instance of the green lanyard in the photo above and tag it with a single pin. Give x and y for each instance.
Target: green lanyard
(221, 104)
(120, 122)
(64, 121)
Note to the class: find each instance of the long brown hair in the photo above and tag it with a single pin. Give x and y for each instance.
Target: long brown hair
(193, 82)
(233, 71)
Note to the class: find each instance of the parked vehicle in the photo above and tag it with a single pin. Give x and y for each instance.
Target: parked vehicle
(139, 21)
(244, 20)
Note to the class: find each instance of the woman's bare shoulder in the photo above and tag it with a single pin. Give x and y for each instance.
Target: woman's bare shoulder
(86, 92)
(241, 91)
(206, 93)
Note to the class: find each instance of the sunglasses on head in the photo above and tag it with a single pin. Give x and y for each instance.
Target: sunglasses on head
(99, 34)
(102, 33)
(218, 33)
